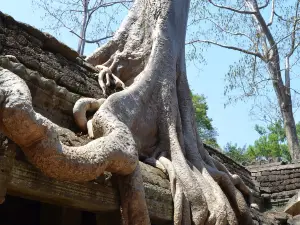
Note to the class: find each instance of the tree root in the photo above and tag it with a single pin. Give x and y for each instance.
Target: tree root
(105, 72)
(37, 136)
(155, 111)
(80, 108)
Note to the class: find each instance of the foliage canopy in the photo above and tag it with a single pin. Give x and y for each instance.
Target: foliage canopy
(207, 132)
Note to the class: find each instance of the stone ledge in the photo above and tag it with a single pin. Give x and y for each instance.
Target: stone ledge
(276, 167)
(97, 196)
(48, 41)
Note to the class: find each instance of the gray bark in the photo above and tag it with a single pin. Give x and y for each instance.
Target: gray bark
(81, 41)
(281, 89)
(290, 127)
(287, 112)
(284, 99)
(152, 118)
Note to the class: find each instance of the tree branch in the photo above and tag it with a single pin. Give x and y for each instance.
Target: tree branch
(90, 41)
(287, 75)
(231, 9)
(272, 13)
(228, 47)
(265, 5)
(237, 10)
(228, 32)
(281, 17)
(67, 3)
(125, 6)
(274, 67)
(293, 36)
(57, 18)
(98, 40)
(286, 36)
(100, 5)
(297, 92)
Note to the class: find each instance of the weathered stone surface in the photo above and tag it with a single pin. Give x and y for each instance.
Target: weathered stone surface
(97, 196)
(44, 54)
(271, 218)
(277, 182)
(295, 220)
(293, 206)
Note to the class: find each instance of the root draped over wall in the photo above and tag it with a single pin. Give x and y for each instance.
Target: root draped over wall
(152, 118)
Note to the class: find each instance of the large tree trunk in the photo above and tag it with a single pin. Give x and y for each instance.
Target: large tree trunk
(282, 90)
(287, 113)
(283, 95)
(290, 128)
(152, 118)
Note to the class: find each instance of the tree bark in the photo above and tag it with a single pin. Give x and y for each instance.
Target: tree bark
(81, 41)
(287, 112)
(152, 118)
(290, 128)
(285, 104)
(282, 90)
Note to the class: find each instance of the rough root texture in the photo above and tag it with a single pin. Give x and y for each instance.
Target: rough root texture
(152, 119)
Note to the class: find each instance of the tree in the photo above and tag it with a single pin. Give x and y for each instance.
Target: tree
(271, 143)
(265, 45)
(204, 124)
(152, 117)
(238, 154)
(78, 16)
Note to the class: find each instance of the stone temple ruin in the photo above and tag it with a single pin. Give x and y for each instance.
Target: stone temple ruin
(57, 79)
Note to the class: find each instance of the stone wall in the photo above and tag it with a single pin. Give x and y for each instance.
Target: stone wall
(55, 78)
(277, 183)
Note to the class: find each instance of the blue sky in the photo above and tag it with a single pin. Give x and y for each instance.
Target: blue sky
(233, 122)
